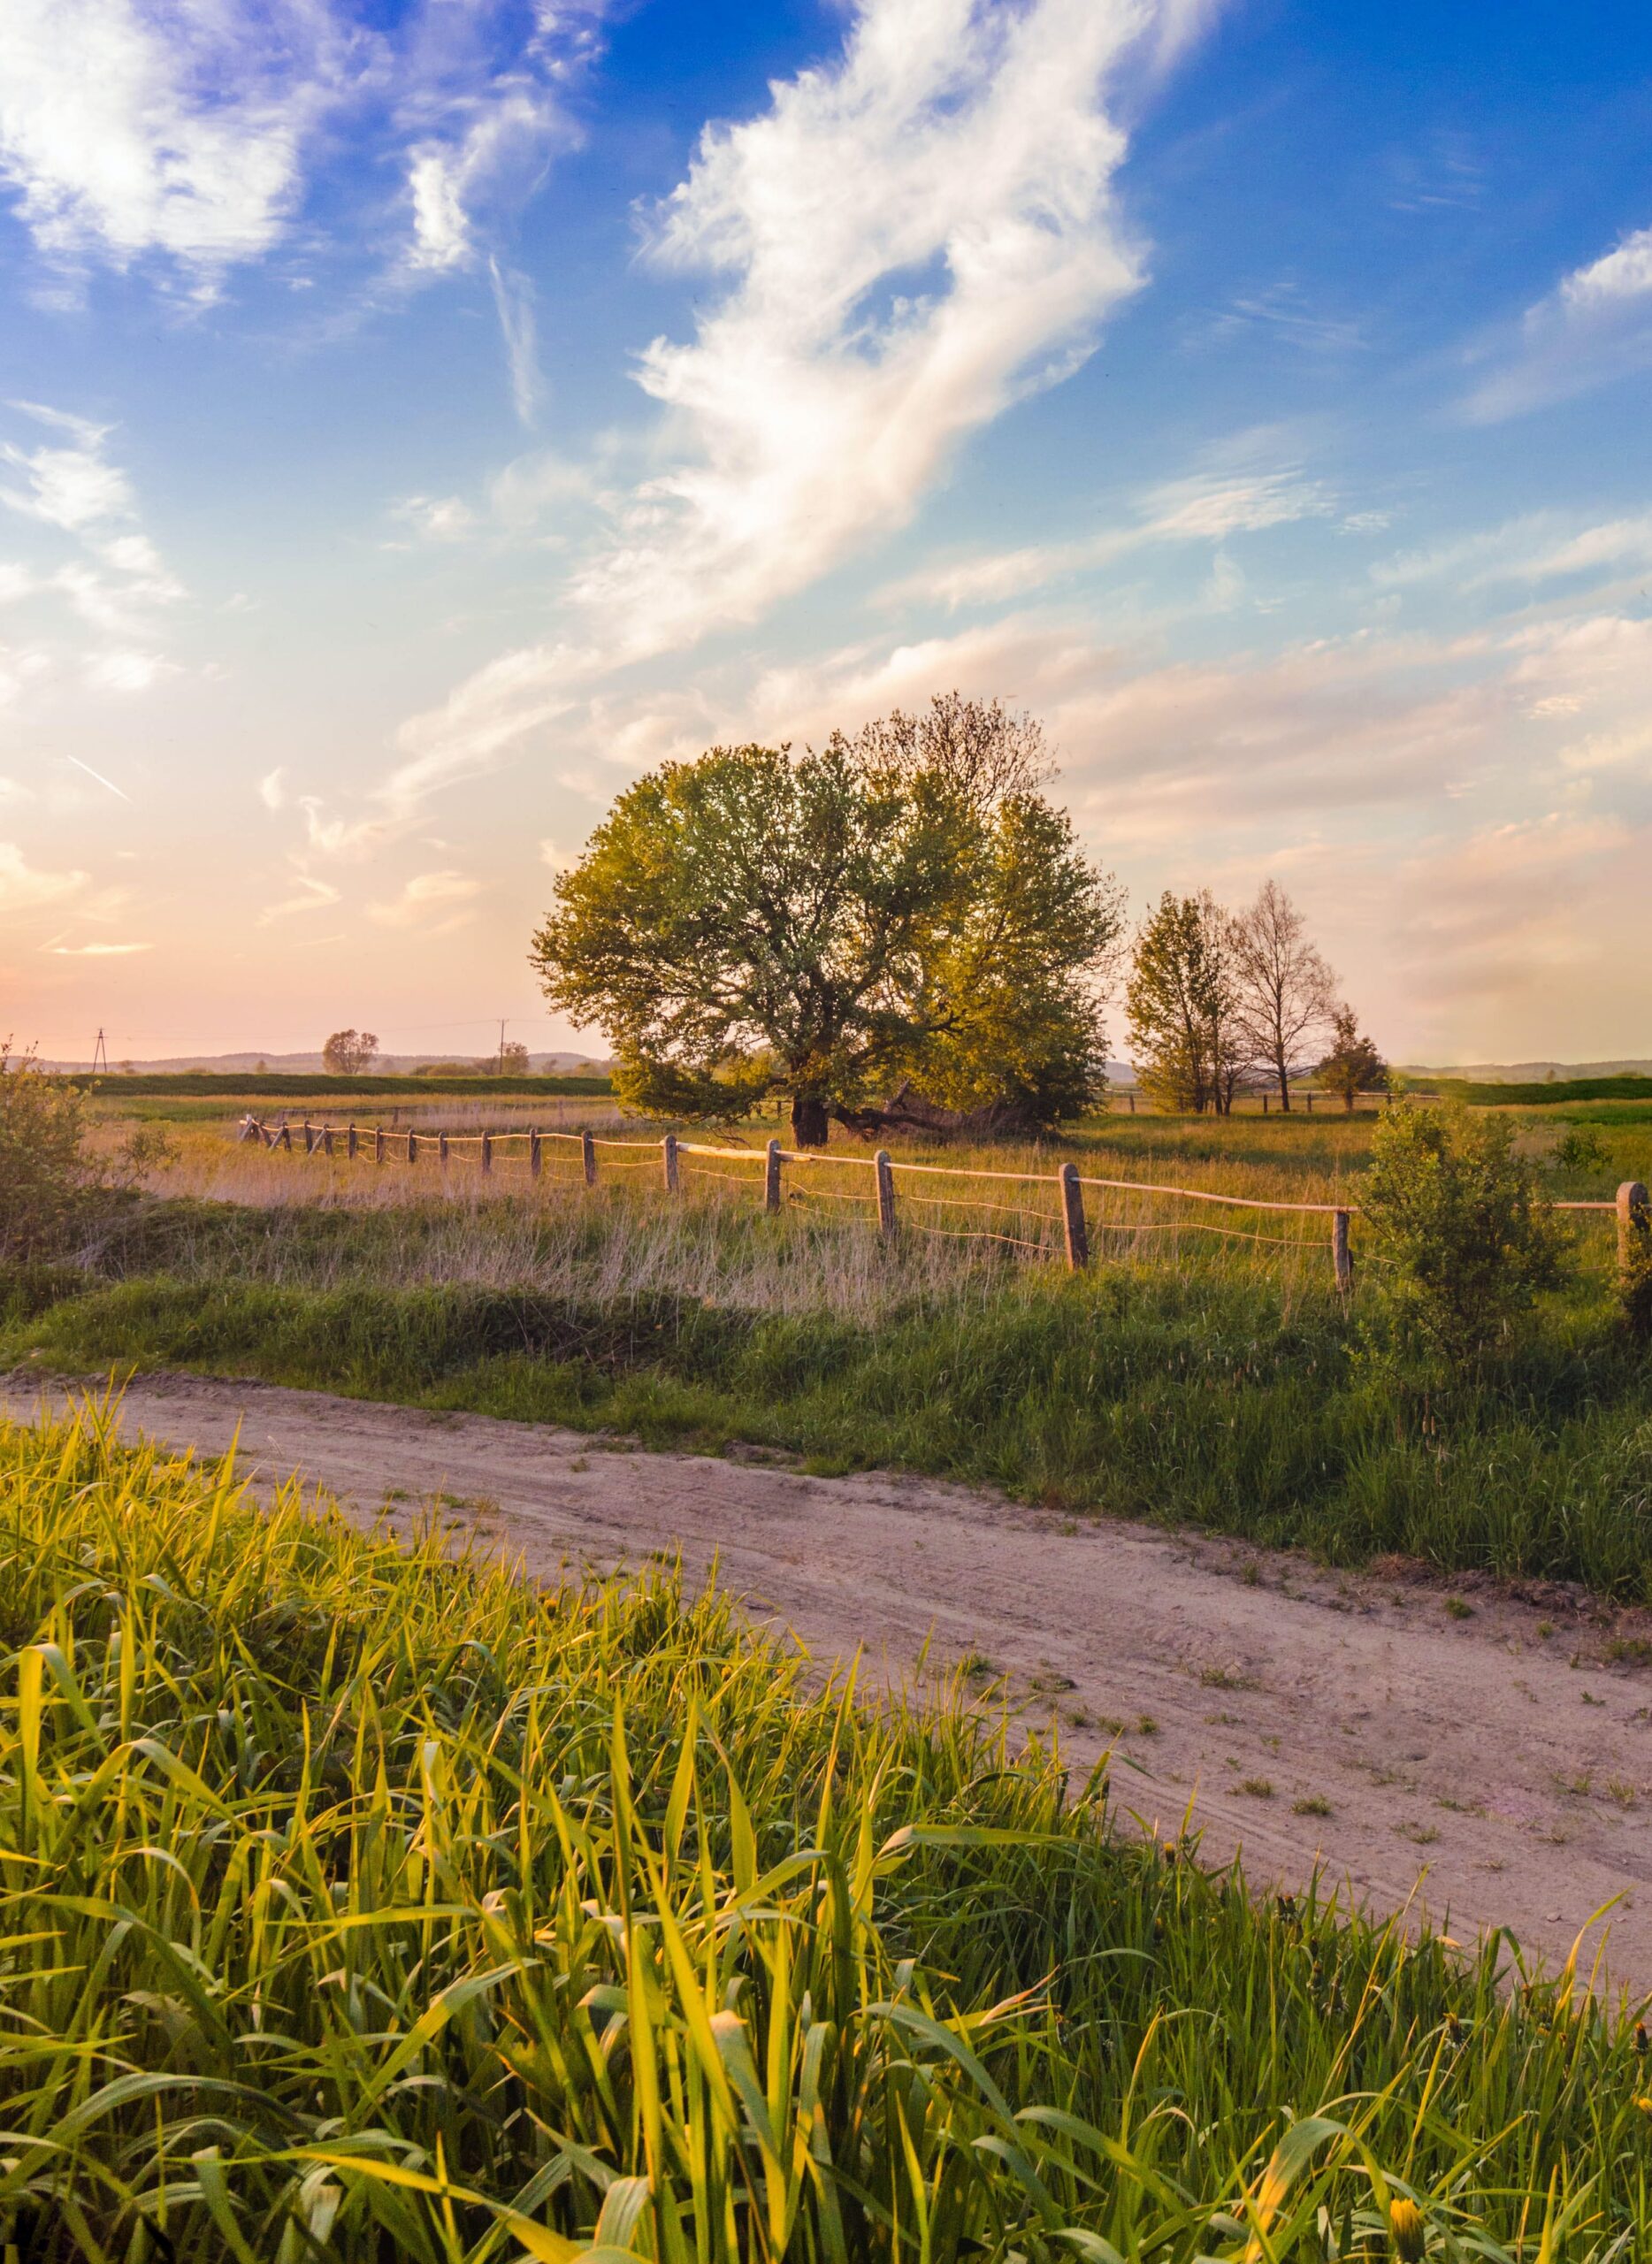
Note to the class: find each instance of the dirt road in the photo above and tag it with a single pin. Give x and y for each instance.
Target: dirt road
(1501, 1751)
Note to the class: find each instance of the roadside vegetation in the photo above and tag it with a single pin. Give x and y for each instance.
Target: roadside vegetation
(1188, 1376)
(362, 1901)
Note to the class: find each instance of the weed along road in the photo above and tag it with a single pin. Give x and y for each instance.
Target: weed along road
(1497, 1749)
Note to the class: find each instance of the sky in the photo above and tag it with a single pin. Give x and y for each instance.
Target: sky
(418, 420)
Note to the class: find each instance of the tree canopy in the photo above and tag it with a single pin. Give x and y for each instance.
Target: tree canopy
(348, 1052)
(902, 906)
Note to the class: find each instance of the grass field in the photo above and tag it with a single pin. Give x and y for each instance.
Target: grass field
(365, 1904)
(1187, 1376)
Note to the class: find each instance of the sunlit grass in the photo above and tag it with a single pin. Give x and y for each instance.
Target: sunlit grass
(367, 1904)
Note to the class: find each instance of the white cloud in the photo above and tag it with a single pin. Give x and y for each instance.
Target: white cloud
(1624, 273)
(911, 240)
(432, 902)
(436, 518)
(1541, 546)
(1594, 326)
(513, 300)
(71, 487)
(273, 789)
(308, 895)
(504, 137)
(123, 669)
(23, 887)
(1235, 494)
(95, 950)
(68, 489)
(188, 136)
(128, 128)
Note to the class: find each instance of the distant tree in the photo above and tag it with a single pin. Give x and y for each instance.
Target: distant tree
(1187, 1045)
(262, 1069)
(903, 905)
(513, 1059)
(1353, 1065)
(1284, 994)
(348, 1052)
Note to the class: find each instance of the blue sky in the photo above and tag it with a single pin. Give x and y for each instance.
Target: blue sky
(417, 420)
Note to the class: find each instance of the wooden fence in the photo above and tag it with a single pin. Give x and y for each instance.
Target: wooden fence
(674, 1160)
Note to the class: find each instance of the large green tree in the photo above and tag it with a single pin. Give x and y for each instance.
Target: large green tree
(901, 905)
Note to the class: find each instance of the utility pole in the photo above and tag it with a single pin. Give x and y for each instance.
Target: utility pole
(501, 1046)
(100, 1055)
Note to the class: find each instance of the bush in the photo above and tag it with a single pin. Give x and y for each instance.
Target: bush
(1581, 1149)
(45, 1180)
(1464, 1239)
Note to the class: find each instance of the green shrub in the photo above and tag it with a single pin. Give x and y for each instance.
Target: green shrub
(1579, 1148)
(1463, 1239)
(45, 1178)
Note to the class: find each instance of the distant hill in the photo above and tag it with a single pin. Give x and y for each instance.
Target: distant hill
(301, 1065)
(1528, 1073)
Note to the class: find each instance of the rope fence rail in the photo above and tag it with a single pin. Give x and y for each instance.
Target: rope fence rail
(671, 1158)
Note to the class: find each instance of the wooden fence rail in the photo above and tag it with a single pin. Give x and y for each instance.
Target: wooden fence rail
(1631, 1204)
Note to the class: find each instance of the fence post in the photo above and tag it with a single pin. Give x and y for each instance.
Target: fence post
(326, 1139)
(248, 1127)
(588, 1152)
(441, 1150)
(412, 1147)
(1308, 1097)
(1073, 1220)
(533, 1155)
(885, 1195)
(667, 1150)
(352, 1144)
(1132, 1104)
(379, 1144)
(1264, 1103)
(771, 1177)
(1634, 1226)
(1342, 1256)
(309, 1142)
(487, 1152)
(284, 1138)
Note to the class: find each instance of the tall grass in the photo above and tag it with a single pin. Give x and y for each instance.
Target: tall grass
(366, 1904)
(1187, 1376)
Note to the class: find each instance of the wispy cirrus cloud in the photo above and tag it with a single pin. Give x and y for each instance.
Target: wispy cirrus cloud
(25, 887)
(432, 902)
(68, 492)
(1244, 486)
(1594, 327)
(908, 240)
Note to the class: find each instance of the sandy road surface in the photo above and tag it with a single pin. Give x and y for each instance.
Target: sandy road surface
(1503, 1754)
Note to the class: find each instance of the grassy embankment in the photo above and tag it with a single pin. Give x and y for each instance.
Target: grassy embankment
(1188, 1376)
(362, 1904)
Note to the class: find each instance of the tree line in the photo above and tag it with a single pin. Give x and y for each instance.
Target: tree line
(1222, 1003)
(900, 929)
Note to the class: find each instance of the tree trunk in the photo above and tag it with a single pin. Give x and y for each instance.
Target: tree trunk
(1284, 1087)
(1348, 1099)
(809, 1125)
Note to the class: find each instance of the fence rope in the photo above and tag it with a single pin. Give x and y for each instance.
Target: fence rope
(646, 1155)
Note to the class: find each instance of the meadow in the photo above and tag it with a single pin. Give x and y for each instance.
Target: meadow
(365, 1902)
(1204, 1369)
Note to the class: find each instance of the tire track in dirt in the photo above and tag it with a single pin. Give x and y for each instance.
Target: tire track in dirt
(1484, 1769)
